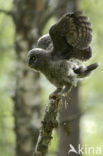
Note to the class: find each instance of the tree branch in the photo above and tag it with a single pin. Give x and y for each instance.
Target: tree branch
(48, 124)
(9, 13)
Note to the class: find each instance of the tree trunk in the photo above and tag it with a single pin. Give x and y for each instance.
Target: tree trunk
(69, 129)
(27, 96)
(30, 17)
(69, 117)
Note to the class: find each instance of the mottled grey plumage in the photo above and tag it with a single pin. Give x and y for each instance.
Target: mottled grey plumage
(59, 53)
(45, 42)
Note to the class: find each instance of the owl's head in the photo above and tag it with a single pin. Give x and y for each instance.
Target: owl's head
(36, 58)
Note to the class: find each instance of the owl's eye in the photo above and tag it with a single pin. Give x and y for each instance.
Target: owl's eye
(33, 58)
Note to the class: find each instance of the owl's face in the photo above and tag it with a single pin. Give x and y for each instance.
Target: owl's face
(36, 58)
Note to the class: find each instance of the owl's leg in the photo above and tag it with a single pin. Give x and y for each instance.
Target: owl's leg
(65, 92)
(56, 93)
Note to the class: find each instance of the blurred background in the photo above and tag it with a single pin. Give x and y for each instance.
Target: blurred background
(24, 93)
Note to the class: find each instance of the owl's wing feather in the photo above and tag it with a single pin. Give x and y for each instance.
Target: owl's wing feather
(79, 34)
(45, 42)
(67, 54)
(74, 28)
(72, 32)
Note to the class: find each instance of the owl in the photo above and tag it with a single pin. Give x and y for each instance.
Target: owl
(60, 53)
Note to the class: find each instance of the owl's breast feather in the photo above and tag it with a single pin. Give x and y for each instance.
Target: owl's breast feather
(56, 73)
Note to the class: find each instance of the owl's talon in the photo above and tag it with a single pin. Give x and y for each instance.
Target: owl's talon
(64, 101)
(56, 94)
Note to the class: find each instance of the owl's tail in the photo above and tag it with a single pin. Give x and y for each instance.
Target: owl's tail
(84, 72)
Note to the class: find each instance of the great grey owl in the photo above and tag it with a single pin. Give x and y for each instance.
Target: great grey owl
(59, 54)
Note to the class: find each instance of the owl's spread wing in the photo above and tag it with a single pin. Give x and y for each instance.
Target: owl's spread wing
(74, 28)
(45, 42)
(72, 31)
